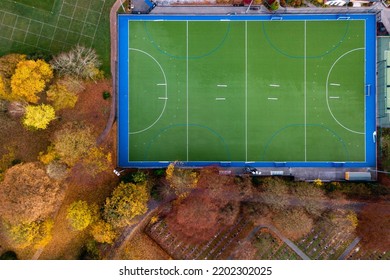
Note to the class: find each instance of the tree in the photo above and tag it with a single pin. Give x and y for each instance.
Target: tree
(3, 91)
(103, 232)
(374, 226)
(80, 62)
(310, 197)
(38, 117)
(27, 194)
(30, 78)
(275, 193)
(127, 201)
(80, 215)
(182, 181)
(97, 161)
(61, 97)
(9, 62)
(73, 142)
(213, 205)
(294, 223)
(36, 234)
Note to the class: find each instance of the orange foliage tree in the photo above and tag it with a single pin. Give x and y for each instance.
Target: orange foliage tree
(213, 205)
(27, 194)
(374, 226)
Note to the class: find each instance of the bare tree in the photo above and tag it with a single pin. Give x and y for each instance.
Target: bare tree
(80, 62)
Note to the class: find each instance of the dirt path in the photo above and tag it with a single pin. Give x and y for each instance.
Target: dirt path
(114, 49)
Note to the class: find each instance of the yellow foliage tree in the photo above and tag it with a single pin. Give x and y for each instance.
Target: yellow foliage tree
(9, 62)
(97, 161)
(61, 97)
(80, 215)
(182, 181)
(3, 91)
(103, 232)
(38, 117)
(29, 79)
(127, 201)
(73, 142)
(37, 233)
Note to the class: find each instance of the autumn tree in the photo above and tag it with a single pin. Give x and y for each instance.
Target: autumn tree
(80, 215)
(214, 204)
(73, 142)
(80, 62)
(37, 233)
(30, 78)
(127, 201)
(275, 193)
(9, 62)
(97, 160)
(27, 194)
(310, 197)
(61, 97)
(294, 223)
(103, 232)
(374, 226)
(181, 180)
(38, 117)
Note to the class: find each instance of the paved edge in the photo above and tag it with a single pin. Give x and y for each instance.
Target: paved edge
(114, 49)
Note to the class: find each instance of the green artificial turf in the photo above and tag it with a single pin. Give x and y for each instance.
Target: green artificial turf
(46, 5)
(55, 26)
(246, 91)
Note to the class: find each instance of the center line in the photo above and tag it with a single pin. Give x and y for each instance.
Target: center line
(272, 98)
(221, 85)
(304, 88)
(187, 88)
(273, 85)
(220, 98)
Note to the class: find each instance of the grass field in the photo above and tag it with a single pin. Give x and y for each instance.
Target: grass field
(263, 91)
(51, 26)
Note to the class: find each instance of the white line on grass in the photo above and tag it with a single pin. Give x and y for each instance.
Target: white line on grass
(333, 84)
(220, 98)
(166, 90)
(334, 97)
(163, 98)
(272, 98)
(221, 85)
(246, 90)
(304, 89)
(274, 85)
(161, 84)
(187, 90)
(327, 89)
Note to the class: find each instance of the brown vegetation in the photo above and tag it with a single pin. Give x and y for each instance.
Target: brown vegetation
(27, 194)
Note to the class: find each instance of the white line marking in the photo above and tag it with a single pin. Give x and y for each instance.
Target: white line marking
(246, 90)
(166, 90)
(272, 98)
(221, 85)
(161, 84)
(332, 84)
(220, 98)
(327, 93)
(304, 89)
(334, 97)
(187, 89)
(273, 85)
(163, 98)
(224, 19)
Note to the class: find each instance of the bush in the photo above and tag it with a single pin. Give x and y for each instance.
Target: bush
(106, 95)
(9, 255)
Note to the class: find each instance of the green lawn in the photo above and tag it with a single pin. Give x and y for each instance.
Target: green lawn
(54, 26)
(46, 5)
(246, 91)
